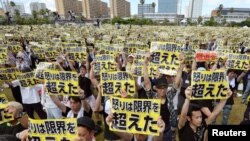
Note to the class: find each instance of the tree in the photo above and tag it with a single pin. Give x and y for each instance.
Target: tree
(17, 13)
(224, 21)
(232, 10)
(189, 21)
(153, 5)
(47, 11)
(34, 14)
(166, 22)
(42, 12)
(211, 22)
(12, 4)
(220, 8)
(142, 3)
(200, 19)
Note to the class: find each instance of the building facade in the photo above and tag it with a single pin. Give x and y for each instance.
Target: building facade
(36, 6)
(95, 9)
(63, 6)
(167, 6)
(195, 8)
(233, 14)
(145, 8)
(119, 8)
(163, 17)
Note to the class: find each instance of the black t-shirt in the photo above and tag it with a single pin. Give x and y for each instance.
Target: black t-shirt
(165, 113)
(10, 130)
(87, 114)
(186, 133)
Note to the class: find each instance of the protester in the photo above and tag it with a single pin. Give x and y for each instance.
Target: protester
(18, 124)
(191, 125)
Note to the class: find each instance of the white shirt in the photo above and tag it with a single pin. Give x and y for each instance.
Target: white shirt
(29, 95)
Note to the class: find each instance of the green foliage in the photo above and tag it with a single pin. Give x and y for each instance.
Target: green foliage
(34, 14)
(211, 22)
(12, 4)
(199, 19)
(135, 21)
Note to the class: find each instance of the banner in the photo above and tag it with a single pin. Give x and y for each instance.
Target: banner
(100, 66)
(3, 99)
(168, 59)
(8, 74)
(209, 85)
(61, 83)
(39, 53)
(77, 53)
(4, 117)
(51, 52)
(41, 67)
(53, 129)
(238, 61)
(165, 46)
(203, 56)
(27, 79)
(137, 116)
(105, 57)
(114, 82)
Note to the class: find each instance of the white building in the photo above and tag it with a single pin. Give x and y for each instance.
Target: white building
(36, 6)
(145, 8)
(195, 8)
(233, 14)
(163, 16)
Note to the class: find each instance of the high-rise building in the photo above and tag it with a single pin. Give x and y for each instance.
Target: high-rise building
(63, 6)
(167, 6)
(145, 8)
(95, 9)
(36, 6)
(195, 8)
(119, 8)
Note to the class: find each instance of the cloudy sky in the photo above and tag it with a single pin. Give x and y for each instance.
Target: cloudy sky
(208, 5)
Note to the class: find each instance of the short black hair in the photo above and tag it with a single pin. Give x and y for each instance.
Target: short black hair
(75, 98)
(83, 66)
(230, 70)
(193, 108)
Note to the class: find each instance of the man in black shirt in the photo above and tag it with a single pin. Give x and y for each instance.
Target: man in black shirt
(191, 124)
(17, 124)
(79, 107)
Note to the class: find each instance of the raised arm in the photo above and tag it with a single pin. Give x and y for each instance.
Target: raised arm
(98, 106)
(147, 83)
(92, 75)
(179, 72)
(123, 135)
(184, 110)
(58, 103)
(85, 104)
(240, 77)
(161, 125)
(218, 109)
